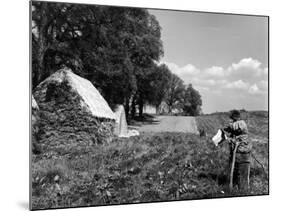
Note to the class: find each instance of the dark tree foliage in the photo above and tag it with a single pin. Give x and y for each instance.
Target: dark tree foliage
(191, 102)
(116, 48)
(175, 92)
(113, 47)
(160, 79)
(56, 37)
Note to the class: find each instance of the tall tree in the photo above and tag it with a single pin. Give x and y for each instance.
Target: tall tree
(113, 47)
(175, 92)
(148, 50)
(55, 35)
(159, 85)
(191, 102)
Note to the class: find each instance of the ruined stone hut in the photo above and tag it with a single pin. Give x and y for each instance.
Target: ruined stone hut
(72, 113)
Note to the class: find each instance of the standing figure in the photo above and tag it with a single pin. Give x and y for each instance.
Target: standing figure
(238, 133)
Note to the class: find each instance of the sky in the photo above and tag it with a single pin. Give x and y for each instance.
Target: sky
(224, 56)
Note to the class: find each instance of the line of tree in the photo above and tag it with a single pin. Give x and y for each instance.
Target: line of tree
(116, 48)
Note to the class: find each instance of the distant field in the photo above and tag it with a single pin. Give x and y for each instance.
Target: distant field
(257, 122)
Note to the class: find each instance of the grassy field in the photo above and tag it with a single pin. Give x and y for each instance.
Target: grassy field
(257, 122)
(146, 168)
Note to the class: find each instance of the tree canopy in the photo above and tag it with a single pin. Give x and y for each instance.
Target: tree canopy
(175, 92)
(191, 102)
(116, 48)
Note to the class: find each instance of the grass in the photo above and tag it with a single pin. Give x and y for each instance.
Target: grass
(150, 167)
(257, 122)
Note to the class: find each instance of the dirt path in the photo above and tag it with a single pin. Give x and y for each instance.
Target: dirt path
(184, 124)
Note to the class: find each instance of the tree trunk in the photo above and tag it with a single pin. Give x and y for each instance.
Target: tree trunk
(127, 107)
(41, 46)
(169, 109)
(133, 107)
(157, 108)
(140, 102)
(40, 62)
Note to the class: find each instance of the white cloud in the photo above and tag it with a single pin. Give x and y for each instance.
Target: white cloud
(204, 82)
(222, 82)
(188, 69)
(237, 85)
(260, 87)
(265, 71)
(247, 69)
(244, 83)
(263, 85)
(203, 88)
(254, 89)
(215, 71)
(246, 63)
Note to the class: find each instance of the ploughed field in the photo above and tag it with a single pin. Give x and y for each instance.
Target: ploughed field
(155, 166)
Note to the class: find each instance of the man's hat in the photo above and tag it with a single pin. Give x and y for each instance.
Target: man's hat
(234, 114)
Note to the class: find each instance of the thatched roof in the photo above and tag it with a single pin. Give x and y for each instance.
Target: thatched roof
(91, 98)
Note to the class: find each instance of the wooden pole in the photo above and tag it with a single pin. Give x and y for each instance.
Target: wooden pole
(232, 166)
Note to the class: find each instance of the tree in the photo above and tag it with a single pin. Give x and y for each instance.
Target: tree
(148, 50)
(191, 102)
(113, 47)
(160, 80)
(135, 46)
(175, 92)
(55, 36)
